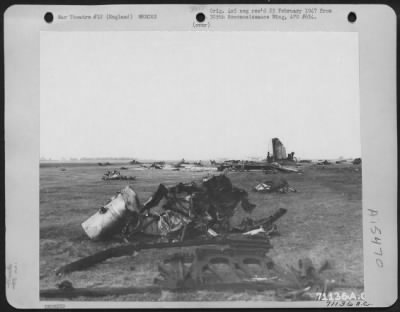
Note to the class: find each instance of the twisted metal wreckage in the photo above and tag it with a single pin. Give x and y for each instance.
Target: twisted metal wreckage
(278, 185)
(226, 257)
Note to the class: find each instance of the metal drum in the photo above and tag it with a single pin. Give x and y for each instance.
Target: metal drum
(110, 217)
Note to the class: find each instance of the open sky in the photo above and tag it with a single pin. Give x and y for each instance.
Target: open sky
(198, 95)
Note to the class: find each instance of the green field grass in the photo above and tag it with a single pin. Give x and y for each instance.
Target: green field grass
(323, 222)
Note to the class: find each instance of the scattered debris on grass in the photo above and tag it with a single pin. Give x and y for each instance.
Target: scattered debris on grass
(279, 185)
(357, 161)
(325, 162)
(158, 165)
(237, 267)
(305, 161)
(65, 284)
(285, 169)
(225, 257)
(104, 164)
(116, 175)
(140, 245)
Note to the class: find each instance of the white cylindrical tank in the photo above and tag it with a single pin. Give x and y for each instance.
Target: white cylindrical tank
(110, 218)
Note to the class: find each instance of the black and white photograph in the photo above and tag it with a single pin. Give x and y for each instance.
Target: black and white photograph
(192, 165)
(211, 166)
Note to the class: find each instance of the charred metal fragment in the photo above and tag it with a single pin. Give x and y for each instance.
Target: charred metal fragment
(127, 250)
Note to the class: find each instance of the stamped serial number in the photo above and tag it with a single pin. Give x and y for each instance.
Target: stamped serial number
(339, 296)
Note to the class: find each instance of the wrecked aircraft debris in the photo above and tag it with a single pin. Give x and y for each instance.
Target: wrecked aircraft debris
(129, 249)
(238, 267)
(279, 153)
(104, 164)
(286, 169)
(357, 161)
(181, 212)
(181, 165)
(278, 150)
(202, 268)
(325, 162)
(157, 165)
(116, 175)
(238, 165)
(195, 214)
(197, 206)
(242, 267)
(267, 224)
(279, 185)
(110, 217)
(305, 161)
(271, 164)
